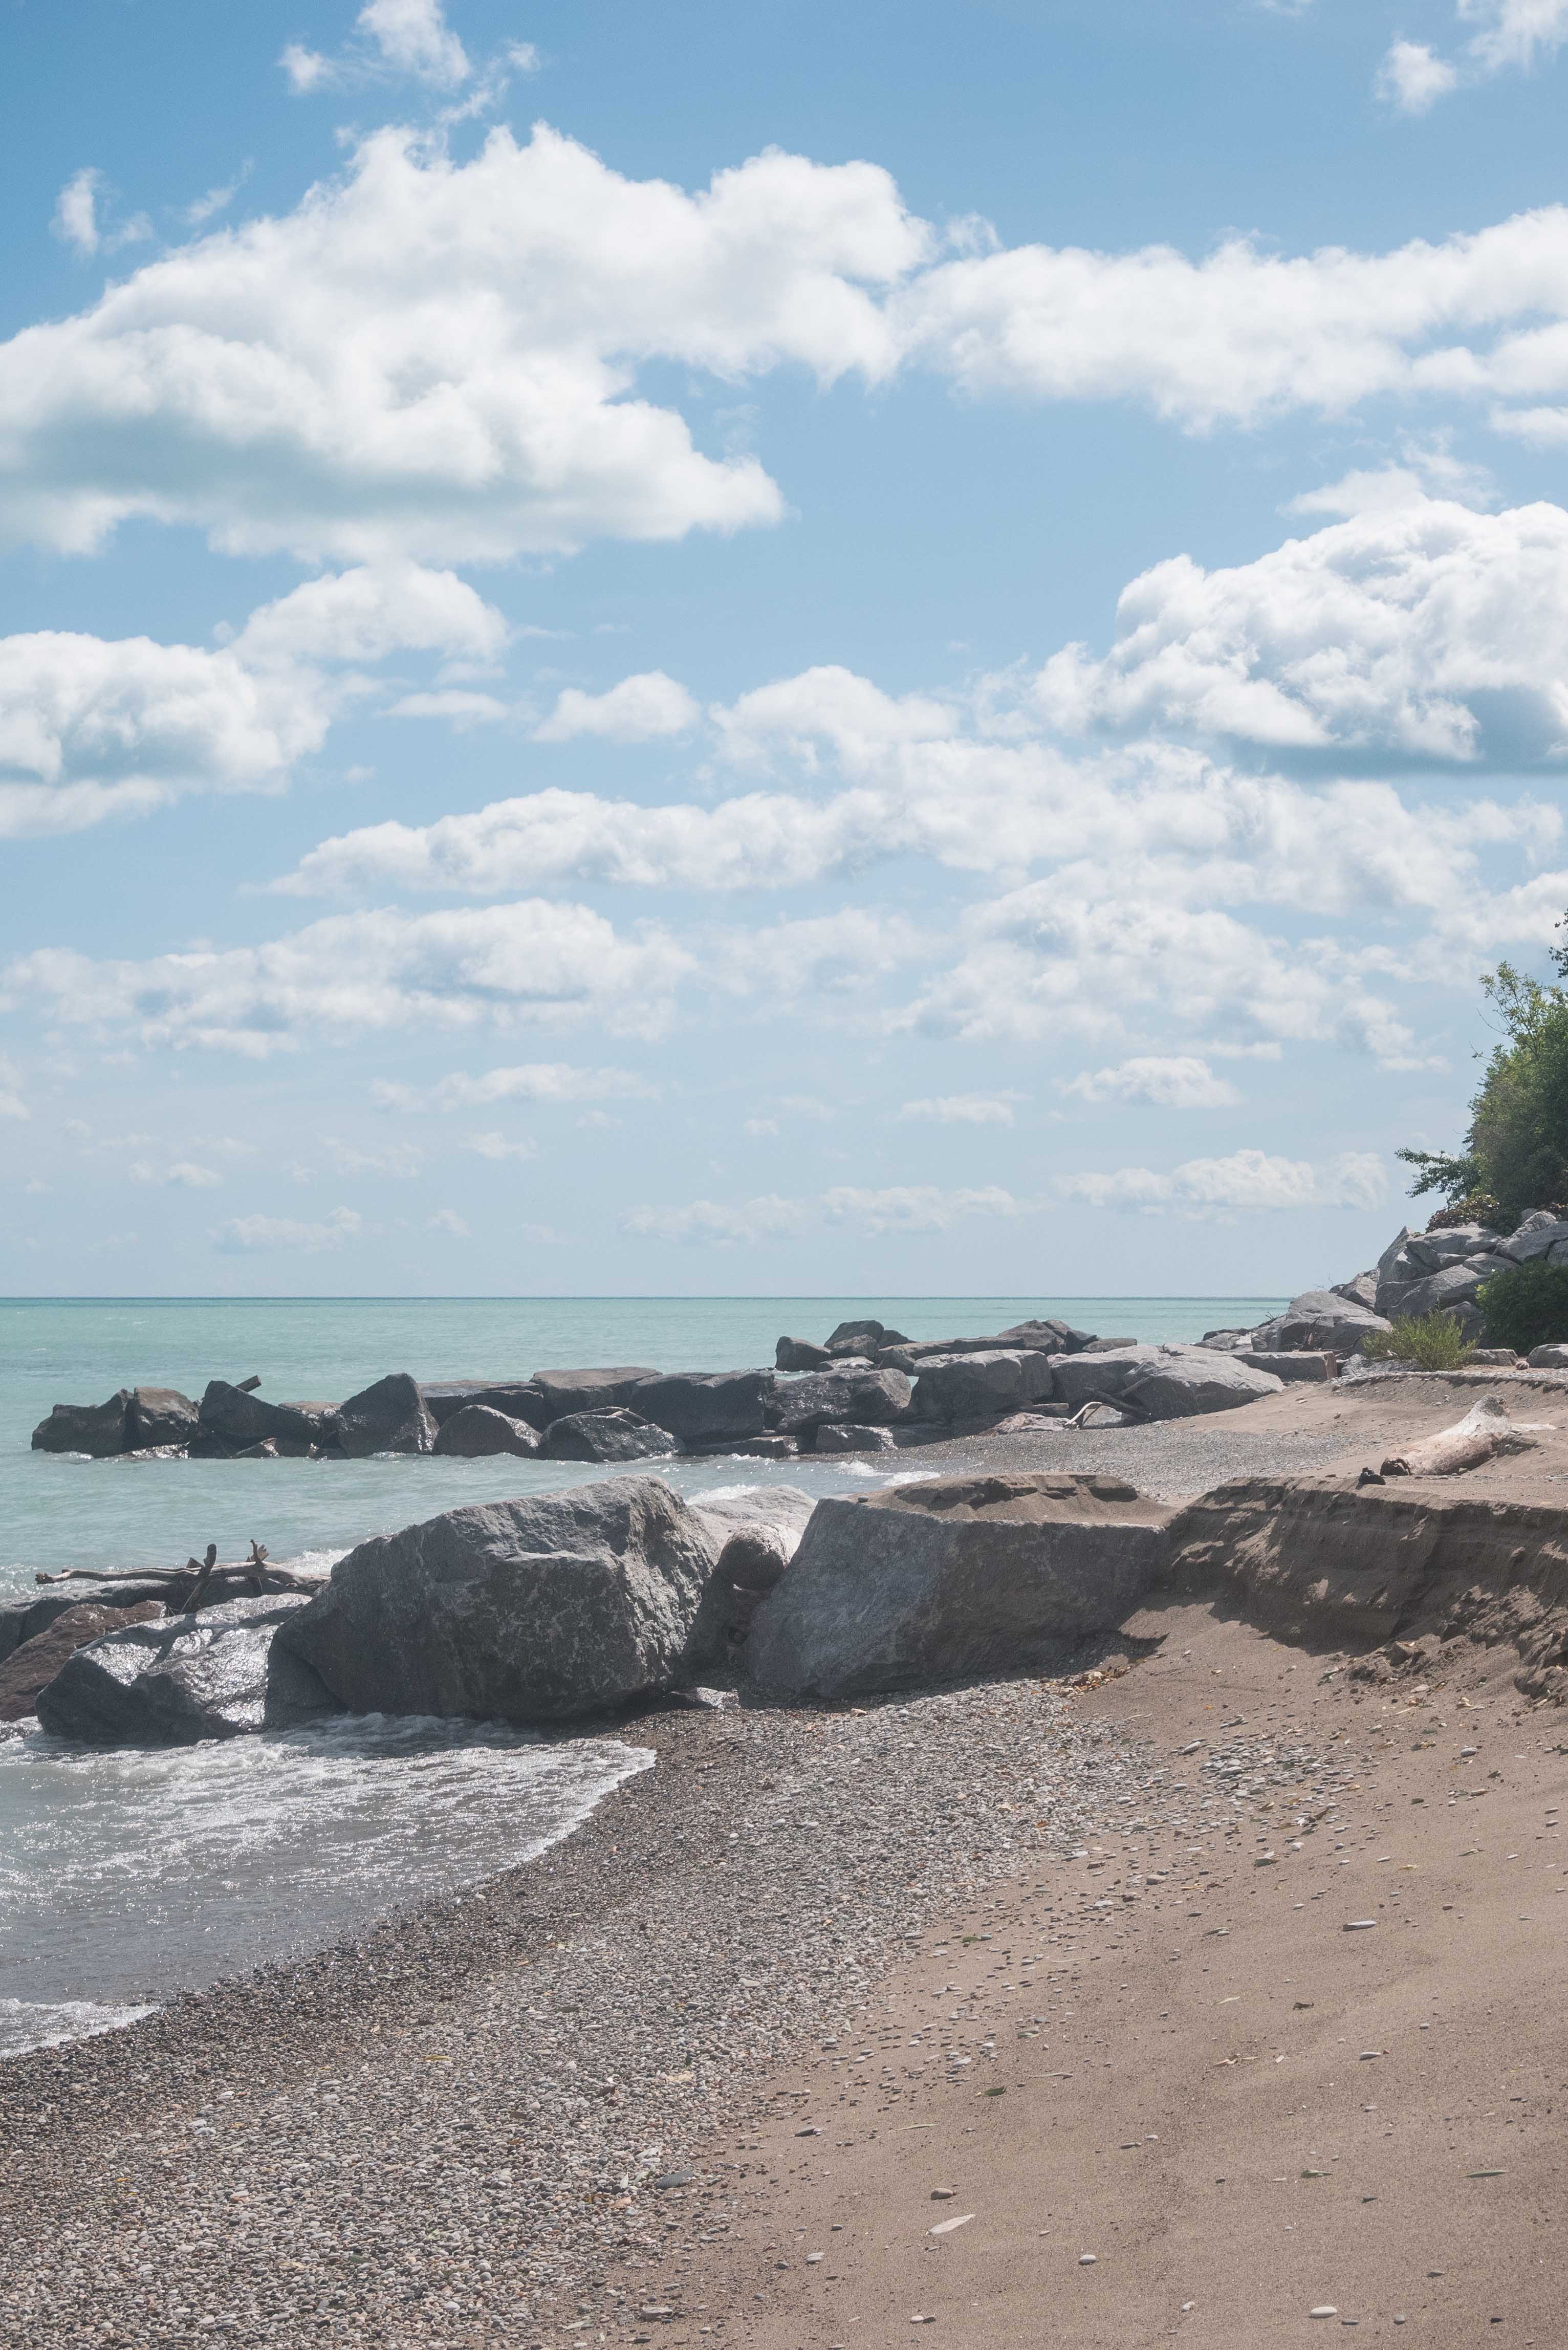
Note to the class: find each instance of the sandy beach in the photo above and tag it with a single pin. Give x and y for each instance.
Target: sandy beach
(1082, 1968)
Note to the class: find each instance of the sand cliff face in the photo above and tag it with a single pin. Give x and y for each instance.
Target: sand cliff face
(1315, 1561)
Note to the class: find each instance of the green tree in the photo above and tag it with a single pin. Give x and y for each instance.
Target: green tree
(1516, 1147)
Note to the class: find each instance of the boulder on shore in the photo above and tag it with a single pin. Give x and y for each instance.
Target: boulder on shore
(533, 1610)
(1183, 1381)
(956, 1577)
(478, 1433)
(799, 1354)
(218, 1674)
(32, 1666)
(388, 1417)
(799, 1406)
(699, 1407)
(981, 1386)
(1316, 1319)
(756, 1533)
(613, 1435)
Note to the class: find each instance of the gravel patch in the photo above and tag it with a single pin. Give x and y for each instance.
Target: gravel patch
(452, 2130)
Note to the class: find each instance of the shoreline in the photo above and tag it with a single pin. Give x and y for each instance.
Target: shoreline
(447, 2129)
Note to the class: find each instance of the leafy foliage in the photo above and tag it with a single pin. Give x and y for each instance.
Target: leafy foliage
(1431, 1341)
(1527, 1305)
(1516, 1148)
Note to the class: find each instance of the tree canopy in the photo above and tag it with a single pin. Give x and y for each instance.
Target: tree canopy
(1515, 1154)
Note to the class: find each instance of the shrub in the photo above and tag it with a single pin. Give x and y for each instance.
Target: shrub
(1527, 1305)
(1430, 1341)
(1476, 1207)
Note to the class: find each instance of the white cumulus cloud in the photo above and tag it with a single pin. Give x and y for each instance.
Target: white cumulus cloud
(532, 1081)
(357, 974)
(639, 710)
(1171, 1081)
(260, 1235)
(964, 1109)
(704, 1222)
(1247, 1182)
(181, 1174)
(1420, 630)
(1412, 78)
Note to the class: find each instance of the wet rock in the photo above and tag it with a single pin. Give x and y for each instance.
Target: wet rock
(478, 1433)
(701, 1406)
(613, 1435)
(33, 1665)
(388, 1417)
(954, 1577)
(532, 1610)
(799, 1354)
(845, 1436)
(158, 1417)
(98, 1428)
(218, 1674)
(233, 1419)
(519, 1399)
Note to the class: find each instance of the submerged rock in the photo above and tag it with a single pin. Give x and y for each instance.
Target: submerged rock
(218, 1674)
(233, 1420)
(517, 1399)
(954, 1577)
(799, 1354)
(533, 1610)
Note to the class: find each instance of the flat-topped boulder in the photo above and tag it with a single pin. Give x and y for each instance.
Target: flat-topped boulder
(535, 1610)
(519, 1399)
(800, 1406)
(218, 1674)
(799, 1354)
(1316, 1319)
(989, 1383)
(95, 1428)
(954, 1577)
(572, 1391)
(699, 1407)
(233, 1419)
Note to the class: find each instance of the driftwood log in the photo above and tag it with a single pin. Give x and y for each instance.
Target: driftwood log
(201, 1582)
(1484, 1434)
(1106, 1403)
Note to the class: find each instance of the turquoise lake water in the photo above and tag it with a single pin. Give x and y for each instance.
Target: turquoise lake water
(126, 1876)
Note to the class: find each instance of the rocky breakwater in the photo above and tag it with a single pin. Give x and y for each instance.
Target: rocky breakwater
(867, 1388)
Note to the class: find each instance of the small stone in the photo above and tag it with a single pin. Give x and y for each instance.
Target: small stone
(944, 2194)
(1086, 2260)
(810, 2130)
(1326, 2310)
(1359, 1926)
(1266, 1860)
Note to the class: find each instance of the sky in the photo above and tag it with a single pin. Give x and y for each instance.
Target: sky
(895, 650)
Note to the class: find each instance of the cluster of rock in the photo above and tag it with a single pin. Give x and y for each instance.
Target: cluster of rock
(577, 1604)
(865, 1389)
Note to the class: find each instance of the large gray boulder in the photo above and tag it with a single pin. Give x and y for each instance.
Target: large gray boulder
(699, 1407)
(985, 1386)
(1430, 1251)
(1538, 1234)
(388, 1417)
(1076, 1379)
(862, 1339)
(218, 1674)
(1361, 1291)
(233, 1419)
(590, 1390)
(1318, 1319)
(956, 1577)
(25, 1619)
(1183, 1381)
(612, 1435)
(519, 1399)
(98, 1428)
(800, 1406)
(532, 1610)
(799, 1354)
(477, 1433)
(1451, 1291)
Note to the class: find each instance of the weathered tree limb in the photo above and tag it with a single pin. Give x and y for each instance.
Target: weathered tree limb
(200, 1582)
(193, 1598)
(1111, 1403)
(1484, 1433)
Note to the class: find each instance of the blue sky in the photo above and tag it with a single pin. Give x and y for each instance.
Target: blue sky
(892, 650)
